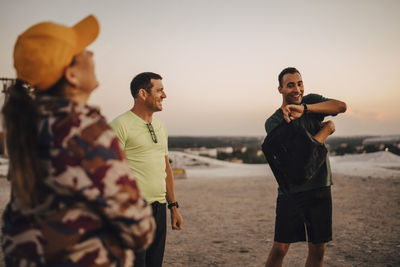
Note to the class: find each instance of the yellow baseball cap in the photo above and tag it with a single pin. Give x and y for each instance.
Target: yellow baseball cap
(43, 51)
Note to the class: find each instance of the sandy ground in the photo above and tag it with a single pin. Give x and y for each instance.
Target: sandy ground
(229, 219)
(230, 222)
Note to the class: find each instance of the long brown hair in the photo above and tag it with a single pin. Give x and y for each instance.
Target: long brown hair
(21, 133)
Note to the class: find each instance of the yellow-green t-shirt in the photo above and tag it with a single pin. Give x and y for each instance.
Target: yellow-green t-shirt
(145, 157)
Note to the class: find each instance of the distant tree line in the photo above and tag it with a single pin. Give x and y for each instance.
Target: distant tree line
(252, 141)
(251, 155)
(245, 148)
(213, 142)
(354, 145)
(252, 145)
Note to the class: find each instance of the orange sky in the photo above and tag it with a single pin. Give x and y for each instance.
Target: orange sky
(220, 59)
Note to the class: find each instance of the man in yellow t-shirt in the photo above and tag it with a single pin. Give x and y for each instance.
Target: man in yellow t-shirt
(145, 142)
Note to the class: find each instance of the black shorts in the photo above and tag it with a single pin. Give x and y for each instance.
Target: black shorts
(304, 216)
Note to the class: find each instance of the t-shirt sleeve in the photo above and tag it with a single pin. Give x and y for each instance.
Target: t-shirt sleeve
(314, 98)
(120, 131)
(273, 121)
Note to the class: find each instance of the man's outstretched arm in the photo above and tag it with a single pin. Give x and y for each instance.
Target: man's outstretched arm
(330, 107)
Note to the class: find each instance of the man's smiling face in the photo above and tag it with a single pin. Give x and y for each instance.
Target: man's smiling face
(292, 88)
(155, 97)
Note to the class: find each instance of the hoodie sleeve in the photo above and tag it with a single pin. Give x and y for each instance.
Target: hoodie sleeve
(107, 182)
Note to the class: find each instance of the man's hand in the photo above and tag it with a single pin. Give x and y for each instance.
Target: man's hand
(292, 112)
(329, 125)
(176, 219)
(328, 128)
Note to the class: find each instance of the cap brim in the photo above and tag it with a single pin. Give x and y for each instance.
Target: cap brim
(87, 31)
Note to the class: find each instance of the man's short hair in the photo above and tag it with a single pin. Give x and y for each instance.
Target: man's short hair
(290, 70)
(142, 81)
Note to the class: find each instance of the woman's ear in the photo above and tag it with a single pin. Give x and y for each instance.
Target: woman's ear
(71, 77)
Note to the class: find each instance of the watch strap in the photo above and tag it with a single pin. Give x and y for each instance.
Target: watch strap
(305, 108)
(173, 204)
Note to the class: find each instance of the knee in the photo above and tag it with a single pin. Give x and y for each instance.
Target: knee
(279, 250)
(317, 251)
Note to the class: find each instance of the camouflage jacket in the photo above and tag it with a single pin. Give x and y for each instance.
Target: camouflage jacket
(91, 213)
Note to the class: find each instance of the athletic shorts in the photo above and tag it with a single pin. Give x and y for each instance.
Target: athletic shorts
(304, 216)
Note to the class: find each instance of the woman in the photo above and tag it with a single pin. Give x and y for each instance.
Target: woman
(74, 200)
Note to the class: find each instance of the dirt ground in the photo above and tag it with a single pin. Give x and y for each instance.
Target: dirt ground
(230, 222)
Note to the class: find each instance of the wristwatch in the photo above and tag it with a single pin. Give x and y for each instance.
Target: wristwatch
(174, 204)
(305, 108)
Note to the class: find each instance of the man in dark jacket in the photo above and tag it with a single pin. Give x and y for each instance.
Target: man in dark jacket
(305, 212)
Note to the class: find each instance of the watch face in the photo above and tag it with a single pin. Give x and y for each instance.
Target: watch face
(305, 107)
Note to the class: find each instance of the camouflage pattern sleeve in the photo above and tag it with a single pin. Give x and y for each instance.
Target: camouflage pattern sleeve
(110, 185)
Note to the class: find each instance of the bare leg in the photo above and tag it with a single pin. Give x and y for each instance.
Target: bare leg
(315, 255)
(276, 255)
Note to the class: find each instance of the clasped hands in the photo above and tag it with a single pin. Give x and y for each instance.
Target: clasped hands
(292, 112)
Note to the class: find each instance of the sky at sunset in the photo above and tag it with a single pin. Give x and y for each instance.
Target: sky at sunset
(220, 59)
